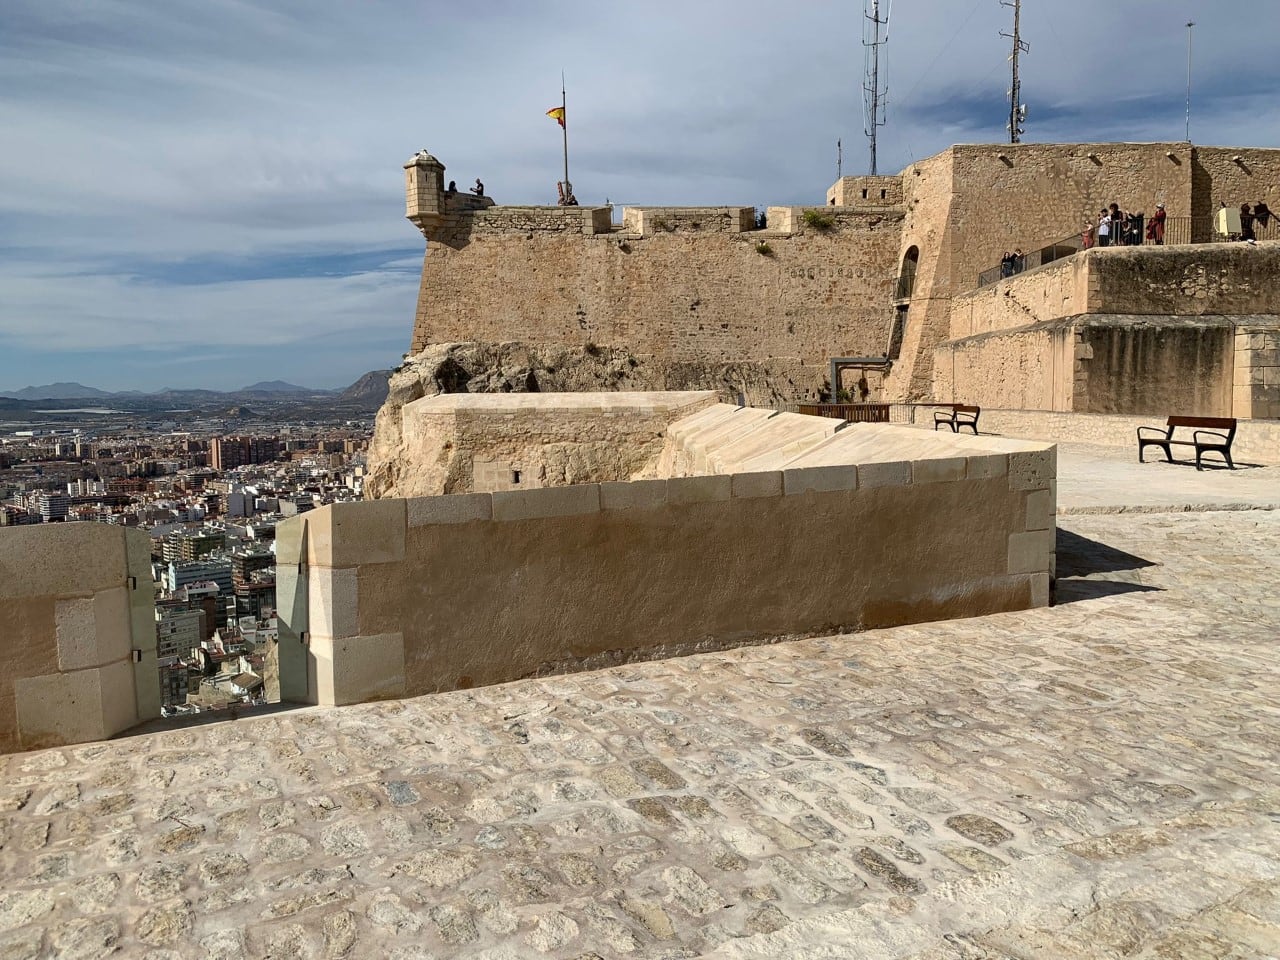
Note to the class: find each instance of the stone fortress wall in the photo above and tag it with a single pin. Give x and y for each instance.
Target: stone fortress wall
(700, 285)
(77, 634)
(680, 284)
(1188, 328)
(732, 540)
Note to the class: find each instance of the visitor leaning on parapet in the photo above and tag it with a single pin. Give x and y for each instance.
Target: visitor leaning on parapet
(478, 189)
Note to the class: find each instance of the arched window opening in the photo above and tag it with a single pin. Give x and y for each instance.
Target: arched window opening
(907, 275)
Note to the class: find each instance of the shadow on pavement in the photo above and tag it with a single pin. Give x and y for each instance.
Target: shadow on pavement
(1079, 562)
(1080, 557)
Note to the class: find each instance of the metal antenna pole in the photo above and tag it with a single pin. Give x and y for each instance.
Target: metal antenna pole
(564, 128)
(1190, 24)
(1017, 109)
(873, 97)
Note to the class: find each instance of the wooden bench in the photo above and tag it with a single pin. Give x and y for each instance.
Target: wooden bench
(1208, 435)
(960, 416)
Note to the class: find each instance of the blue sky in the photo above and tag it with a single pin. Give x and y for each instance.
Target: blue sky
(209, 192)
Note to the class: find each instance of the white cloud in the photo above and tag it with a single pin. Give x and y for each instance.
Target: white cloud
(179, 131)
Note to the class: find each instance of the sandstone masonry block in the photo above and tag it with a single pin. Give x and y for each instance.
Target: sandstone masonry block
(754, 485)
(1031, 552)
(61, 559)
(699, 489)
(61, 708)
(547, 502)
(1040, 589)
(332, 602)
(981, 468)
(453, 508)
(119, 700)
(1041, 510)
(819, 479)
(347, 534)
(939, 470)
(112, 624)
(358, 669)
(291, 541)
(76, 636)
(884, 474)
(1033, 469)
(633, 494)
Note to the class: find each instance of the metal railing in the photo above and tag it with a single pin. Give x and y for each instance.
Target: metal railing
(848, 412)
(904, 413)
(1135, 232)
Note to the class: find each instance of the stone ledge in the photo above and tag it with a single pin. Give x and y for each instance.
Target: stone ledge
(819, 479)
(449, 508)
(938, 470)
(756, 485)
(547, 502)
(633, 494)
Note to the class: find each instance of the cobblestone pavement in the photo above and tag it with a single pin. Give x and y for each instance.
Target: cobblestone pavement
(1093, 780)
(1098, 479)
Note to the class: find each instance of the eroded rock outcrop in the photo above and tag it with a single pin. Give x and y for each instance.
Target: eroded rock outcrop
(517, 368)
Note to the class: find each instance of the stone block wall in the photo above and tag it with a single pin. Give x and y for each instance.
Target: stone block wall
(708, 295)
(77, 634)
(465, 443)
(1095, 363)
(1256, 389)
(651, 220)
(865, 191)
(408, 597)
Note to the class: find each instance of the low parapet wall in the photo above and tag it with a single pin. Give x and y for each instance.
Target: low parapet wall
(77, 634)
(809, 529)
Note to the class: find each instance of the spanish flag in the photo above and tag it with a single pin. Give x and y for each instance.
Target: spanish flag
(557, 114)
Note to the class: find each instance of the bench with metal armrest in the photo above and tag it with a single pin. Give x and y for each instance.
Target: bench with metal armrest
(1208, 435)
(961, 415)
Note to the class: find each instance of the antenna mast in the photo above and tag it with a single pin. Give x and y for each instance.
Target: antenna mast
(1190, 24)
(873, 98)
(1017, 109)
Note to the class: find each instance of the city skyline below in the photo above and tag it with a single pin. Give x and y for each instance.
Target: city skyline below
(208, 194)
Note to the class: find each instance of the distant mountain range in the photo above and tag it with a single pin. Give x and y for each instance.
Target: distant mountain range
(366, 388)
(57, 391)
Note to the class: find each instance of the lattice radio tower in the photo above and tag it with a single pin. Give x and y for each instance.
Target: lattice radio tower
(874, 99)
(1017, 109)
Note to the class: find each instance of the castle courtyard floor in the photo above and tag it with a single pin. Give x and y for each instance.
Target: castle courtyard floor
(1096, 779)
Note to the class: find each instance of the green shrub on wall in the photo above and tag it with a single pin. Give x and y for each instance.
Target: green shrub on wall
(819, 221)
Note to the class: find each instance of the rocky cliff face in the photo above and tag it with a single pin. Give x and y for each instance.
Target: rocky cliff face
(516, 368)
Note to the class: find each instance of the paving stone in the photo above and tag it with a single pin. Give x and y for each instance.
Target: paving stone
(979, 829)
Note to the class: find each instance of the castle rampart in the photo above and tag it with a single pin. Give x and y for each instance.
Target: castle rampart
(77, 634)
(1191, 329)
(726, 542)
(702, 284)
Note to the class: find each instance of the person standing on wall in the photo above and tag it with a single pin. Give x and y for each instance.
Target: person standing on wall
(1117, 225)
(1246, 223)
(1104, 229)
(1155, 227)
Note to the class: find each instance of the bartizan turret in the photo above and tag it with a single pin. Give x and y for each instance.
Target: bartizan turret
(424, 193)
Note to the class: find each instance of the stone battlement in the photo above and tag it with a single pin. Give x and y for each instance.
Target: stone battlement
(720, 539)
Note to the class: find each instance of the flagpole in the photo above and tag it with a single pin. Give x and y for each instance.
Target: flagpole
(564, 128)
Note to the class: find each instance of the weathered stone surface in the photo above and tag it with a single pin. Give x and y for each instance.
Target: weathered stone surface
(1008, 769)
